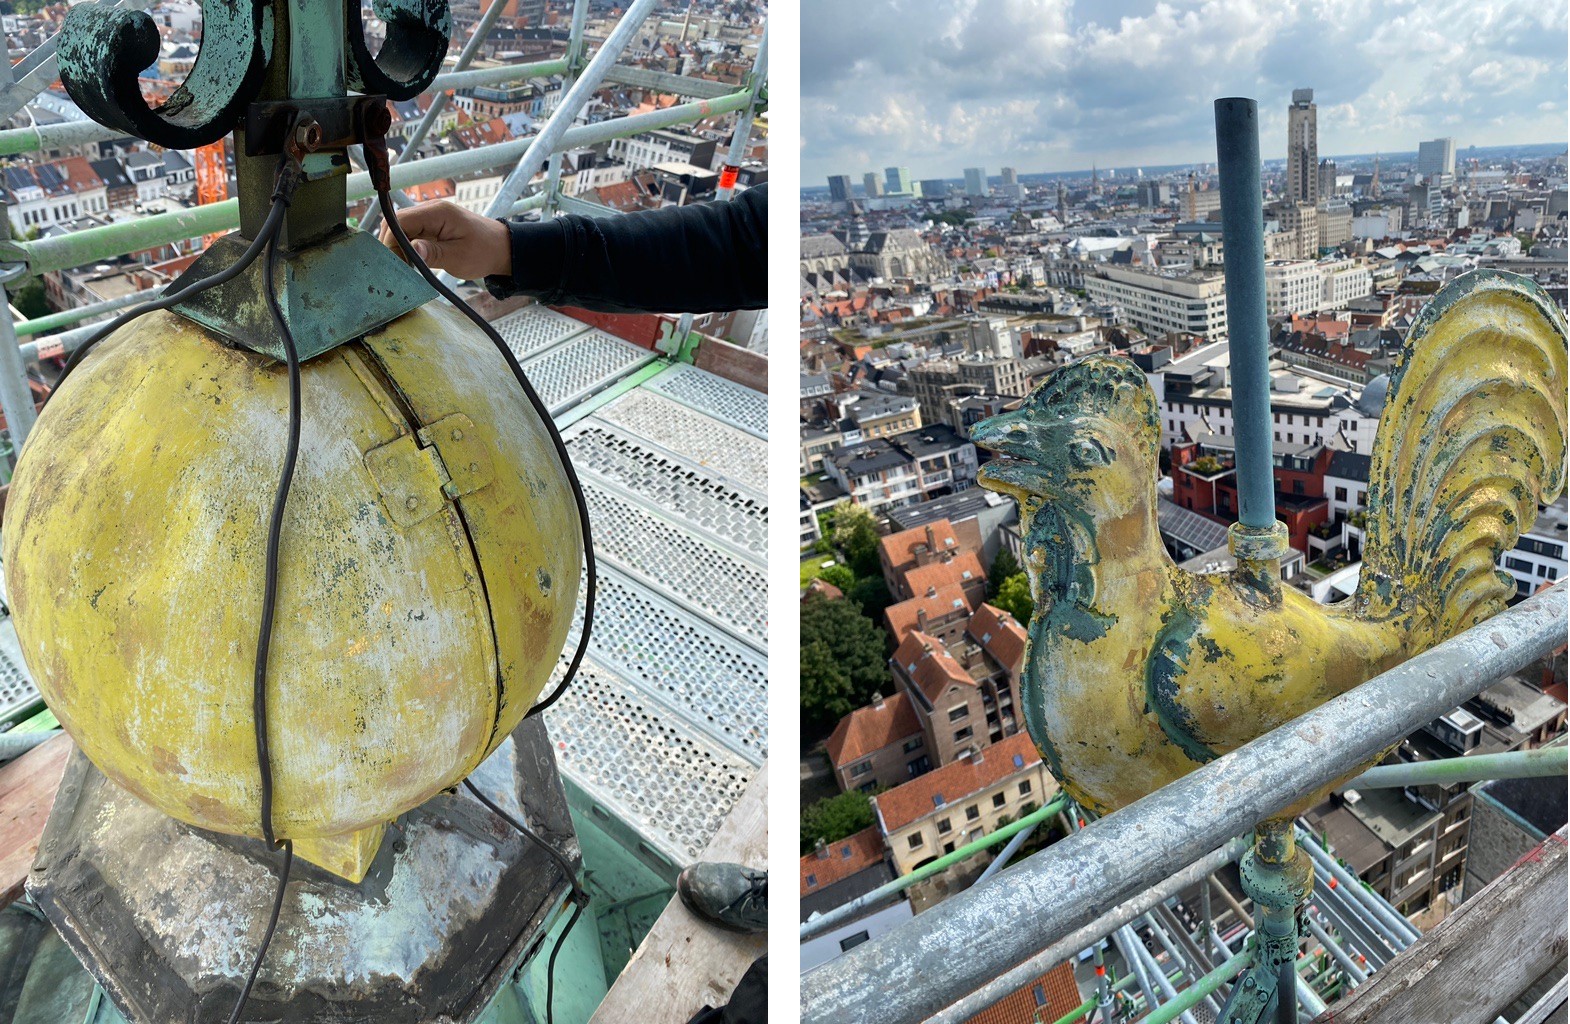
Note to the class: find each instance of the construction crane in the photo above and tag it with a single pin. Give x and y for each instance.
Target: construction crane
(212, 180)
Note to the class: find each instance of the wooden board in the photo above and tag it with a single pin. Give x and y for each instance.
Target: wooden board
(684, 962)
(27, 791)
(1477, 961)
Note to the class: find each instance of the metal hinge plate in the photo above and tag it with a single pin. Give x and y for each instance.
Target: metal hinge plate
(420, 472)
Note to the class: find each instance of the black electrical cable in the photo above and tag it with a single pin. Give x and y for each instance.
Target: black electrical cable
(579, 898)
(264, 639)
(591, 586)
(269, 229)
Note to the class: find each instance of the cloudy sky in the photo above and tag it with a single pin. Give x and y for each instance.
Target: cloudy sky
(1045, 85)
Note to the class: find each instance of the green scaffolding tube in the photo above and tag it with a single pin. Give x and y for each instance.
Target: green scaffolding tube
(1189, 997)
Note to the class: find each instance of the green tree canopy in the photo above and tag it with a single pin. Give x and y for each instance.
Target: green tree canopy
(842, 661)
(839, 575)
(30, 300)
(872, 595)
(855, 532)
(834, 818)
(1014, 597)
(1003, 566)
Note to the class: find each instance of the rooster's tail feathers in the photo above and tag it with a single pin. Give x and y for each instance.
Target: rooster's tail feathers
(1470, 442)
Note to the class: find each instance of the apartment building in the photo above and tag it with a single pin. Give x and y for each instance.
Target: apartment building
(1539, 554)
(875, 475)
(1191, 303)
(937, 812)
(662, 146)
(879, 746)
(1293, 287)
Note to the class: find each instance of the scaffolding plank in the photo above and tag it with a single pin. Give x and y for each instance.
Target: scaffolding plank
(644, 767)
(571, 371)
(714, 683)
(726, 451)
(715, 396)
(671, 486)
(533, 329)
(722, 588)
(27, 791)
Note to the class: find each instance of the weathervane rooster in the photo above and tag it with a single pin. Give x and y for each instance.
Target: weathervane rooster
(1137, 672)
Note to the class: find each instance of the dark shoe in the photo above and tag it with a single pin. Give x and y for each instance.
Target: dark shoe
(728, 895)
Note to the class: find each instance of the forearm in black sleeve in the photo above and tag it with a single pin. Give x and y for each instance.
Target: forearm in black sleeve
(705, 258)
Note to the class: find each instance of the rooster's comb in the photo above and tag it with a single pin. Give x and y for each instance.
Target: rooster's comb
(1101, 385)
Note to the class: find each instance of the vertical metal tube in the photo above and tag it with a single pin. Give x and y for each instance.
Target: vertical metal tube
(16, 395)
(1243, 228)
(1001, 861)
(580, 17)
(743, 132)
(544, 143)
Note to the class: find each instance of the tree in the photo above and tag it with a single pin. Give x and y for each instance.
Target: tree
(835, 818)
(1003, 566)
(29, 300)
(855, 532)
(872, 595)
(1014, 597)
(838, 575)
(842, 662)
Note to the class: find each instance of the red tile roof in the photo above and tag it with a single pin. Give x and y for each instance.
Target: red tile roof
(872, 728)
(841, 859)
(955, 782)
(999, 635)
(900, 548)
(930, 665)
(818, 586)
(902, 617)
(963, 569)
(1048, 996)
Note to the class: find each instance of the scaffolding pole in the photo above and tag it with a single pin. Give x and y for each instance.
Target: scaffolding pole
(928, 962)
(743, 132)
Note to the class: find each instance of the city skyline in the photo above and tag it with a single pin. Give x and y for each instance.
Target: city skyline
(1046, 86)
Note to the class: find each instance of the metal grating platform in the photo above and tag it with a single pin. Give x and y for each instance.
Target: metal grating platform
(649, 769)
(726, 452)
(724, 589)
(715, 396)
(575, 369)
(710, 680)
(677, 490)
(17, 691)
(533, 329)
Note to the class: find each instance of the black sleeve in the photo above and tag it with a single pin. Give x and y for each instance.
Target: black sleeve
(706, 258)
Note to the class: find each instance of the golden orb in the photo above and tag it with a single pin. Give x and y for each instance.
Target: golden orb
(429, 571)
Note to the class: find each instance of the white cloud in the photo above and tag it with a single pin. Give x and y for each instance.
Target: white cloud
(1059, 84)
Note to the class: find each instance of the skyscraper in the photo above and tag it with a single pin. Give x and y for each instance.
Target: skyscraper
(1302, 148)
(872, 184)
(975, 181)
(897, 178)
(1436, 158)
(1009, 177)
(839, 188)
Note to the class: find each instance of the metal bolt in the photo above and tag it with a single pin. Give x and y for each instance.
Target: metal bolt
(457, 435)
(412, 503)
(474, 467)
(308, 134)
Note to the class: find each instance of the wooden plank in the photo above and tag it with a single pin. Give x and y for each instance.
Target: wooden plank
(27, 791)
(684, 962)
(1477, 961)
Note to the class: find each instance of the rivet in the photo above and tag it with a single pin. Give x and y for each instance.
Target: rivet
(474, 467)
(412, 503)
(457, 435)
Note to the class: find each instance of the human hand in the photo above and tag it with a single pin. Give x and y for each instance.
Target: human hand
(448, 237)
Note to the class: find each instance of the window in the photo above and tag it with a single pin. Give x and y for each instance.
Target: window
(852, 941)
(913, 744)
(1024, 787)
(812, 880)
(955, 714)
(962, 735)
(945, 827)
(1341, 494)
(915, 841)
(858, 770)
(999, 799)
(972, 812)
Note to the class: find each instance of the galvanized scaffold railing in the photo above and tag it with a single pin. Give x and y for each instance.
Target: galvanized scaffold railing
(524, 158)
(974, 948)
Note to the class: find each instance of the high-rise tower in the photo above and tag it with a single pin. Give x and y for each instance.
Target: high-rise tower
(1302, 148)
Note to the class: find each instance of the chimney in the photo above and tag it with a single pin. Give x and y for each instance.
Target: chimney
(921, 619)
(822, 850)
(877, 702)
(932, 541)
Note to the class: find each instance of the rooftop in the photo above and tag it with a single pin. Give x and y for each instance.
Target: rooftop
(956, 782)
(867, 730)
